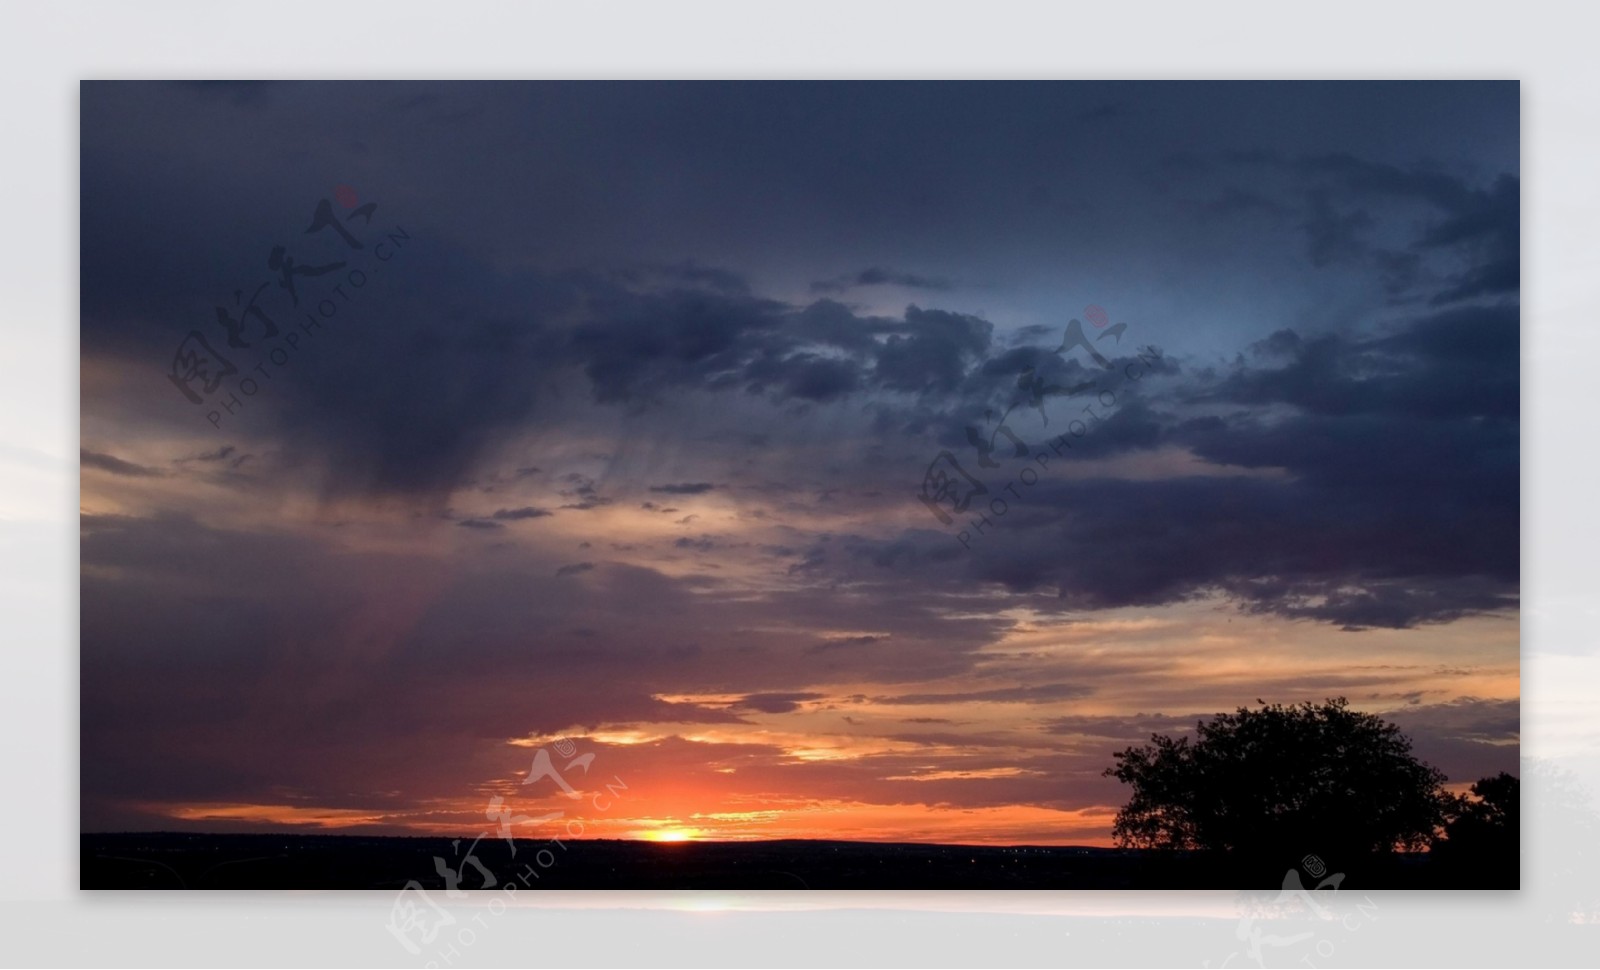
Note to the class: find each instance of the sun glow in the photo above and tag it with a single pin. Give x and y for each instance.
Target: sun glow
(668, 835)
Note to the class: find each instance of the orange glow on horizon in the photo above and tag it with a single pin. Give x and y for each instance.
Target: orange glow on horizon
(667, 835)
(786, 819)
(979, 758)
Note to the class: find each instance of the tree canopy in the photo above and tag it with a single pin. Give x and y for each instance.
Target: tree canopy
(1282, 781)
(1482, 839)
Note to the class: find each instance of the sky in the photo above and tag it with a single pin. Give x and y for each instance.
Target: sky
(828, 460)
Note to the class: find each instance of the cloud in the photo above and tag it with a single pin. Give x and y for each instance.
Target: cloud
(1478, 227)
(583, 493)
(1467, 738)
(1333, 235)
(1467, 719)
(1020, 694)
(933, 351)
(806, 376)
(1131, 728)
(639, 345)
(526, 512)
(114, 465)
(1351, 464)
(1491, 220)
(776, 702)
(845, 643)
(685, 488)
(877, 276)
(1457, 363)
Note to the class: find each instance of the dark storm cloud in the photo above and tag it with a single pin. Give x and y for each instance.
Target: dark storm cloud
(1492, 219)
(1458, 363)
(1371, 455)
(468, 354)
(933, 353)
(805, 376)
(641, 344)
(414, 393)
(404, 393)
(833, 324)
(1481, 224)
(1357, 556)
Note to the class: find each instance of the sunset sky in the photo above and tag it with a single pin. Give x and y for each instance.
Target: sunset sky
(619, 442)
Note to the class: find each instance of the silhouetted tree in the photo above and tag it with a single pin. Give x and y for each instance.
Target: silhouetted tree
(1482, 839)
(1280, 783)
(1490, 814)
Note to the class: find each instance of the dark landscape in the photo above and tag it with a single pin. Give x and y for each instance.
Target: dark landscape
(166, 860)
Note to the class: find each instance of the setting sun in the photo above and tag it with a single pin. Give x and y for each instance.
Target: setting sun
(668, 835)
